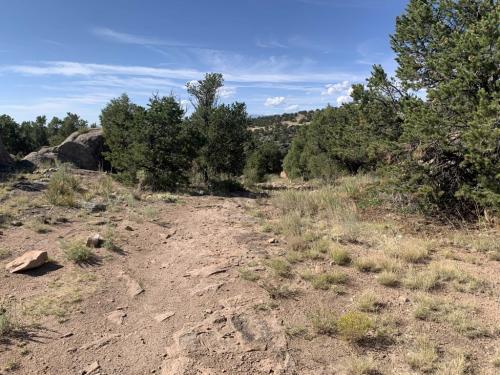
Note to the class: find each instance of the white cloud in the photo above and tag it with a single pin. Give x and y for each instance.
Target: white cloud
(343, 99)
(292, 108)
(227, 91)
(258, 73)
(269, 43)
(274, 101)
(119, 37)
(336, 88)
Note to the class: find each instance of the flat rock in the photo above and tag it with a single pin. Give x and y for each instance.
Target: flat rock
(27, 261)
(163, 316)
(133, 287)
(92, 368)
(116, 317)
(99, 343)
(208, 271)
(201, 289)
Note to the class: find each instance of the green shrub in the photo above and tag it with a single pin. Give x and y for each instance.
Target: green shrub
(77, 252)
(354, 326)
(267, 158)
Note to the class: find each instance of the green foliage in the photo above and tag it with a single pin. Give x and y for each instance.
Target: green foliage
(450, 49)
(122, 124)
(218, 132)
(267, 158)
(77, 252)
(353, 326)
(168, 151)
(21, 139)
(444, 150)
(357, 136)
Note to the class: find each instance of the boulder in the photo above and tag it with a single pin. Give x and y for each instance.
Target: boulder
(83, 150)
(95, 241)
(5, 158)
(27, 261)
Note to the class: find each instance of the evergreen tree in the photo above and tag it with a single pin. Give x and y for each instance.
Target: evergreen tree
(169, 151)
(450, 50)
(122, 123)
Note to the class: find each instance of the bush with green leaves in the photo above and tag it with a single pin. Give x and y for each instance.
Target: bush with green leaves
(265, 159)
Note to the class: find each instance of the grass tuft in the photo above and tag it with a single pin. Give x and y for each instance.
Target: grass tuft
(62, 188)
(340, 256)
(77, 252)
(354, 326)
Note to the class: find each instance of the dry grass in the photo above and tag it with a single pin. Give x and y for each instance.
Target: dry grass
(280, 267)
(368, 264)
(62, 188)
(340, 256)
(388, 278)
(6, 324)
(459, 317)
(324, 281)
(424, 355)
(279, 291)
(249, 275)
(410, 250)
(4, 253)
(362, 366)
(324, 322)
(369, 302)
(354, 326)
(77, 252)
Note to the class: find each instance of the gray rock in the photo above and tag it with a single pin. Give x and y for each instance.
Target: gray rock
(84, 150)
(94, 206)
(95, 241)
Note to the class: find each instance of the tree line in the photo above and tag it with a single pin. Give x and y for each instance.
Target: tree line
(444, 149)
(433, 129)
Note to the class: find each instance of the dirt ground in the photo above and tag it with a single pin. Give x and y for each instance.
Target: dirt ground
(185, 290)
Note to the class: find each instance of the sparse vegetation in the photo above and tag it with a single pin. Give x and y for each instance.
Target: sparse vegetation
(324, 322)
(249, 275)
(77, 252)
(62, 188)
(424, 355)
(340, 256)
(369, 302)
(354, 326)
(5, 322)
(4, 253)
(280, 267)
(388, 278)
(362, 366)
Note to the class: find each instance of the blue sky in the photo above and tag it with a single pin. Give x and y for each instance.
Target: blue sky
(59, 56)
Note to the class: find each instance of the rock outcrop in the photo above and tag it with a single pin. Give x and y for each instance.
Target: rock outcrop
(5, 159)
(83, 150)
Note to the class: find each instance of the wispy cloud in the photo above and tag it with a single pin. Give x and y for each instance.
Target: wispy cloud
(269, 43)
(126, 38)
(255, 73)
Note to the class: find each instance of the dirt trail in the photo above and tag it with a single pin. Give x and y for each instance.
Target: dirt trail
(171, 303)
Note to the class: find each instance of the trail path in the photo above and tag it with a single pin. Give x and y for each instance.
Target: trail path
(172, 303)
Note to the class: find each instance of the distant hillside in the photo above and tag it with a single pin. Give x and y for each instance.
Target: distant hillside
(280, 128)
